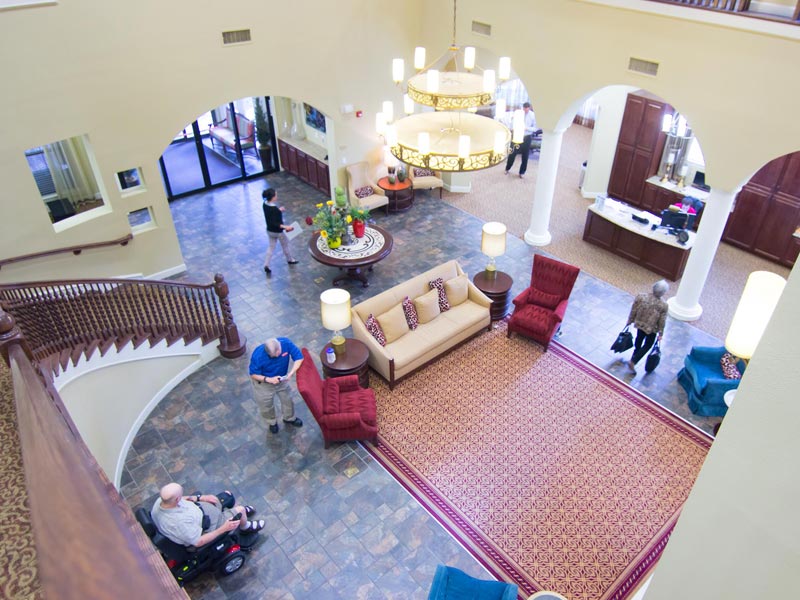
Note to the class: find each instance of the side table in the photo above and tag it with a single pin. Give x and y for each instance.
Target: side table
(352, 362)
(399, 193)
(496, 287)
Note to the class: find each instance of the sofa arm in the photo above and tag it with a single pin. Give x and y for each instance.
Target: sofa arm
(707, 354)
(341, 420)
(477, 296)
(347, 383)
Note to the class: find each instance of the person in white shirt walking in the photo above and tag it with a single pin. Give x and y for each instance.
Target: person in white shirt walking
(524, 148)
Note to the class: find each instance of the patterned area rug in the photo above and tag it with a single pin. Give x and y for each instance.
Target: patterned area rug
(552, 473)
(18, 572)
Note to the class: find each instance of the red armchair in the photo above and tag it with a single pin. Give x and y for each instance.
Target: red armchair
(539, 310)
(343, 410)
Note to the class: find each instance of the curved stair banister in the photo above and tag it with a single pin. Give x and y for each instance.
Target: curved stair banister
(88, 542)
(63, 320)
(76, 250)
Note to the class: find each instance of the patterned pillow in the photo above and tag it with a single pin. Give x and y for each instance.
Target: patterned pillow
(411, 313)
(423, 173)
(364, 192)
(540, 298)
(438, 285)
(375, 329)
(729, 367)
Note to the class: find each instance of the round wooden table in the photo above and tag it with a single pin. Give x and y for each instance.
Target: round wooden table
(400, 193)
(364, 252)
(496, 287)
(352, 362)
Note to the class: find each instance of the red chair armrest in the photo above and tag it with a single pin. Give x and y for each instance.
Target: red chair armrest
(341, 420)
(560, 310)
(522, 299)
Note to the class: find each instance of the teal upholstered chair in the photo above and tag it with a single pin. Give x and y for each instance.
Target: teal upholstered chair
(704, 382)
(450, 583)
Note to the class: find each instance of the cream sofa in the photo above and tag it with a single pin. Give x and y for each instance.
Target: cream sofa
(416, 348)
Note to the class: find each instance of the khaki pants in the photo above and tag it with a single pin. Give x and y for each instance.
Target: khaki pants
(264, 394)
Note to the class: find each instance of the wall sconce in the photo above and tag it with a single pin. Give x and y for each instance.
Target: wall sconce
(493, 244)
(759, 298)
(335, 310)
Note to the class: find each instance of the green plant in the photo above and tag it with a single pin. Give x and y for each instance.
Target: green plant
(330, 220)
(361, 214)
(340, 197)
(262, 125)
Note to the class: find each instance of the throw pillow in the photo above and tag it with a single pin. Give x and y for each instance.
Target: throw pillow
(364, 192)
(411, 313)
(457, 290)
(375, 329)
(729, 368)
(438, 285)
(427, 306)
(393, 323)
(543, 299)
(423, 173)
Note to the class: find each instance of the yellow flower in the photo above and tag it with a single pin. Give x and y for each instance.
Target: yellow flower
(323, 233)
(329, 203)
(319, 205)
(349, 219)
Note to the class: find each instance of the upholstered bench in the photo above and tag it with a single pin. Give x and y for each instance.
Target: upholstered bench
(223, 132)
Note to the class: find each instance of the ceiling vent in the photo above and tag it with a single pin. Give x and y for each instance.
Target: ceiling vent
(481, 28)
(239, 36)
(645, 67)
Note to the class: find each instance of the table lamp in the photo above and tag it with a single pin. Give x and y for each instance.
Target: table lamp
(335, 309)
(759, 298)
(493, 244)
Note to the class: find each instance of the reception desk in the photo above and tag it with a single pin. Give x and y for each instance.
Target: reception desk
(611, 227)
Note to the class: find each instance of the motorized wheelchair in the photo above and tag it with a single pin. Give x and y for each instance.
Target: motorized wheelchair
(225, 555)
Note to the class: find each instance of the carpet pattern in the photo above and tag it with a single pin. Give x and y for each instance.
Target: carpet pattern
(553, 473)
(18, 568)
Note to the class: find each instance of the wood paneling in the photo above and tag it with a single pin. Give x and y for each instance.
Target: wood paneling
(310, 170)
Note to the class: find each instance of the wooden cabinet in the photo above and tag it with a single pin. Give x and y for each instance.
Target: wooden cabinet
(311, 170)
(639, 147)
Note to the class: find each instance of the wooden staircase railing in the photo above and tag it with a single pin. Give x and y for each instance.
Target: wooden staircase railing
(76, 250)
(88, 542)
(63, 320)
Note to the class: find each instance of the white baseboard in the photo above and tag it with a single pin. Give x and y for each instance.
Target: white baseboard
(458, 189)
(181, 268)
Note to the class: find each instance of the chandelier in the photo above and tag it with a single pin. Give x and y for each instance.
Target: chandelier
(451, 137)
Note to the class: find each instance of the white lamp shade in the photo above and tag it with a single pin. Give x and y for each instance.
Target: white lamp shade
(424, 143)
(504, 68)
(408, 104)
(519, 127)
(398, 70)
(433, 81)
(463, 146)
(419, 58)
(391, 135)
(335, 308)
(761, 294)
(500, 108)
(469, 58)
(666, 123)
(388, 110)
(499, 142)
(389, 159)
(489, 81)
(493, 239)
(380, 123)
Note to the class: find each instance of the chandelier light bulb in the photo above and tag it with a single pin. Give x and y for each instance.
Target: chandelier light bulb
(408, 104)
(463, 146)
(391, 135)
(424, 143)
(499, 142)
(500, 108)
(388, 110)
(489, 81)
(469, 58)
(433, 81)
(419, 58)
(380, 123)
(519, 126)
(504, 69)
(398, 70)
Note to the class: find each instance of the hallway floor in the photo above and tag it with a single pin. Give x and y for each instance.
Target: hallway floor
(338, 525)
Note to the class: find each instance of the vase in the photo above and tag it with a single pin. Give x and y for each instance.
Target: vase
(334, 242)
(401, 176)
(358, 228)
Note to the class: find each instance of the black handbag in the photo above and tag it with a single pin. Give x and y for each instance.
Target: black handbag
(624, 341)
(653, 359)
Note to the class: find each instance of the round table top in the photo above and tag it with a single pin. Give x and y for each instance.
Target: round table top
(500, 283)
(355, 355)
(397, 186)
(374, 246)
(728, 397)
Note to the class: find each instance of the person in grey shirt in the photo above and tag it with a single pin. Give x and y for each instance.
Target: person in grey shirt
(180, 518)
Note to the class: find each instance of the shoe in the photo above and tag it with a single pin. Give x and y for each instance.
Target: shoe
(296, 422)
(292, 262)
(505, 172)
(522, 175)
(249, 510)
(267, 270)
(273, 428)
(631, 366)
(256, 525)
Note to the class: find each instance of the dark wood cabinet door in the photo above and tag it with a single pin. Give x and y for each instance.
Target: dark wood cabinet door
(769, 175)
(792, 251)
(650, 137)
(665, 199)
(637, 175)
(302, 166)
(291, 154)
(781, 218)
(312, 172)
(745, 220)
(618, 179)
(649, 197)
(631, 120)
(323, 178)
(284, 154)
(789, 183)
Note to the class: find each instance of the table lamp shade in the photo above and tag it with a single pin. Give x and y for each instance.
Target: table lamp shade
(759, 298)
(335, 307)
(493, 239)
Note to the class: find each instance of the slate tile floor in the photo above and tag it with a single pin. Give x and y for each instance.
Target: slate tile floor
(338, 526)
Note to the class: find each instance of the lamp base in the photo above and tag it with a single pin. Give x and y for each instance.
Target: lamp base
(338, 345)
(490, 273)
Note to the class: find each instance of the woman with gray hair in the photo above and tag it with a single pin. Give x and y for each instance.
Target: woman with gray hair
(648, 314)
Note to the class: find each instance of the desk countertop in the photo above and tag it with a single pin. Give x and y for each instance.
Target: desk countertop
(309, 148)
(686, 191)
(620, 213)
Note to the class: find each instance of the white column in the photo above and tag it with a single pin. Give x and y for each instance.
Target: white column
(685, 305)
(538, 233)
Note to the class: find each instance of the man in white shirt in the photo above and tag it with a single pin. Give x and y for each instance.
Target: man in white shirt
(524, 148)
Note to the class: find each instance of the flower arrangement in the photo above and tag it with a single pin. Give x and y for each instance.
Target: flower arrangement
(359, 214)
(330, 220)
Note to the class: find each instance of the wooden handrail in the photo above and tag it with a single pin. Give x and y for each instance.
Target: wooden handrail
(88, 542)
(123, 241)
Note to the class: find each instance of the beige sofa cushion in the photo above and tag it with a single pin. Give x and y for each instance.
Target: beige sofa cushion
(393, 322)
(427, 306)
(457, 290)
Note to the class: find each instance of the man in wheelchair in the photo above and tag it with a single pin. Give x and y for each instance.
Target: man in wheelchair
(201, 531)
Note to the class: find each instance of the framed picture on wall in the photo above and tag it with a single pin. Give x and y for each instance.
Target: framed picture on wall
(314, 118)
